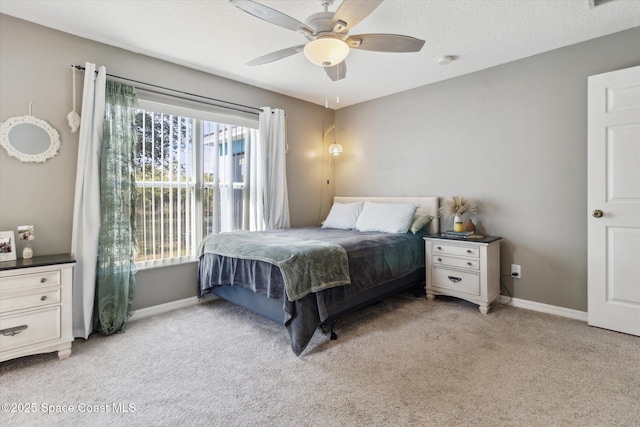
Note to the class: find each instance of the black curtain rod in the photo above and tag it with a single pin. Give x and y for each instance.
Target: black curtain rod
(229, 105)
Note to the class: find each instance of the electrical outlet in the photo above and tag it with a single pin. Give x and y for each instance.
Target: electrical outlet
(516, 271)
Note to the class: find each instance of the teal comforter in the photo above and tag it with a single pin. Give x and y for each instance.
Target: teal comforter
(307, 265)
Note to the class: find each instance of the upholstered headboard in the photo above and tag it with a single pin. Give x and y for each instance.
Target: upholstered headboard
(426, 206)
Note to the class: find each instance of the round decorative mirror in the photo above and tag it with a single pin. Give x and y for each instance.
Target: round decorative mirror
(29, 139)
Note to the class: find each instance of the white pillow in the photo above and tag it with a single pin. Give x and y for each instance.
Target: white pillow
(386, 217)
(343, 216)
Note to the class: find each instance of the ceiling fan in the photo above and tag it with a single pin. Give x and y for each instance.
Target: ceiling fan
(328, 34)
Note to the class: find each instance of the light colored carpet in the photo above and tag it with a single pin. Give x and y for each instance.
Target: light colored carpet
(404, 362)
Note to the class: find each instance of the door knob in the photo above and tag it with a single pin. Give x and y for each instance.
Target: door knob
(597, 213)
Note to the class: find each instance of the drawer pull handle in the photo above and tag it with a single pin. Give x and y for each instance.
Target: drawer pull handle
(43, 280)
(440, 259)
(43, 298)
(469, 264)
(439, 247)
(469, 251)
(9, 332)
(454, 279)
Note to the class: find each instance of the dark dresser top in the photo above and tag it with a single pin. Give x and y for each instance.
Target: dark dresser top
(37, 261)
(485, 239)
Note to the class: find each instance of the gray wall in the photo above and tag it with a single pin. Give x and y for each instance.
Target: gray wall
(35, 66)
(515, 138)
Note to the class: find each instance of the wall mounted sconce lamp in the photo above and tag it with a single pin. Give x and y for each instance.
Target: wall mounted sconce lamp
(335, 149)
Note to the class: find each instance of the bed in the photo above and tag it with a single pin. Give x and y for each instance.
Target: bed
(318, 273)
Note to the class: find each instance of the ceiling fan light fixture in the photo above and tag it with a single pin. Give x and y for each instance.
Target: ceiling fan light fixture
(326, 51)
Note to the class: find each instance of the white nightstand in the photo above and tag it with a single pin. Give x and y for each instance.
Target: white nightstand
(467, 269)
(35, 306)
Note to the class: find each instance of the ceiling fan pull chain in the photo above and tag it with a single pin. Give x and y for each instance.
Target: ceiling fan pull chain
(326, 84)
(338, 84)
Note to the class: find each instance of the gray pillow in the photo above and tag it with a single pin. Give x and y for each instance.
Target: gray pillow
(419, 222)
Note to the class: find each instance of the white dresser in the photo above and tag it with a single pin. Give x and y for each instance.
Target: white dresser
(35, 306)
(467, 269)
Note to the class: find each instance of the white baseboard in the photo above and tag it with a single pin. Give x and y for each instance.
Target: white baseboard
(165, 308)
(515, 302)
(544, 308)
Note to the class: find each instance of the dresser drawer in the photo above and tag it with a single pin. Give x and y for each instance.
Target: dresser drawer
(469, 263)
(460, 250)
(32, 299)
(41, 325)
(460, 281)
(30, 281)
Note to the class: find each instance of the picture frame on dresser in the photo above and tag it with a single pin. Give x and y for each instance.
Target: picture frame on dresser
(7, 246)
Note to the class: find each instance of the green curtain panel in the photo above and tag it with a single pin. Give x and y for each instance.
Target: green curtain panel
(115, 282)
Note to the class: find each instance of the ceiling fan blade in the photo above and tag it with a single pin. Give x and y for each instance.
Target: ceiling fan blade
(274, 56)
(385, 43)
(337, 72)
(351, 12)
(271, 15)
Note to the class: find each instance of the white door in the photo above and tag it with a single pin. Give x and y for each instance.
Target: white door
(614, 200)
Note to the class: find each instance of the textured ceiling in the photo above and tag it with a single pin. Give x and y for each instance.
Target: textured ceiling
(216, 37)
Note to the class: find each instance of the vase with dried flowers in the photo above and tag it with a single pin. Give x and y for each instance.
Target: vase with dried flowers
(456, 207)
(26, 233)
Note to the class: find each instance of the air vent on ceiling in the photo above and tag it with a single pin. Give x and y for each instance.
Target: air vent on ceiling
(594, 3)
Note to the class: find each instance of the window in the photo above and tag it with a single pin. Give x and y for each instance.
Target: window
(191, 172)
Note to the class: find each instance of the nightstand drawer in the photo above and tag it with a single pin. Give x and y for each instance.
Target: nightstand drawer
(29, 328)
(32, 299)
(30, 281)
(460, 250)
(469, 263)
(455, 280)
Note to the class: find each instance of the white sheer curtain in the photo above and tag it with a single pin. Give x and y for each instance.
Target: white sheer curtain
(86, 208)
(274, 169)
(253, 202)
